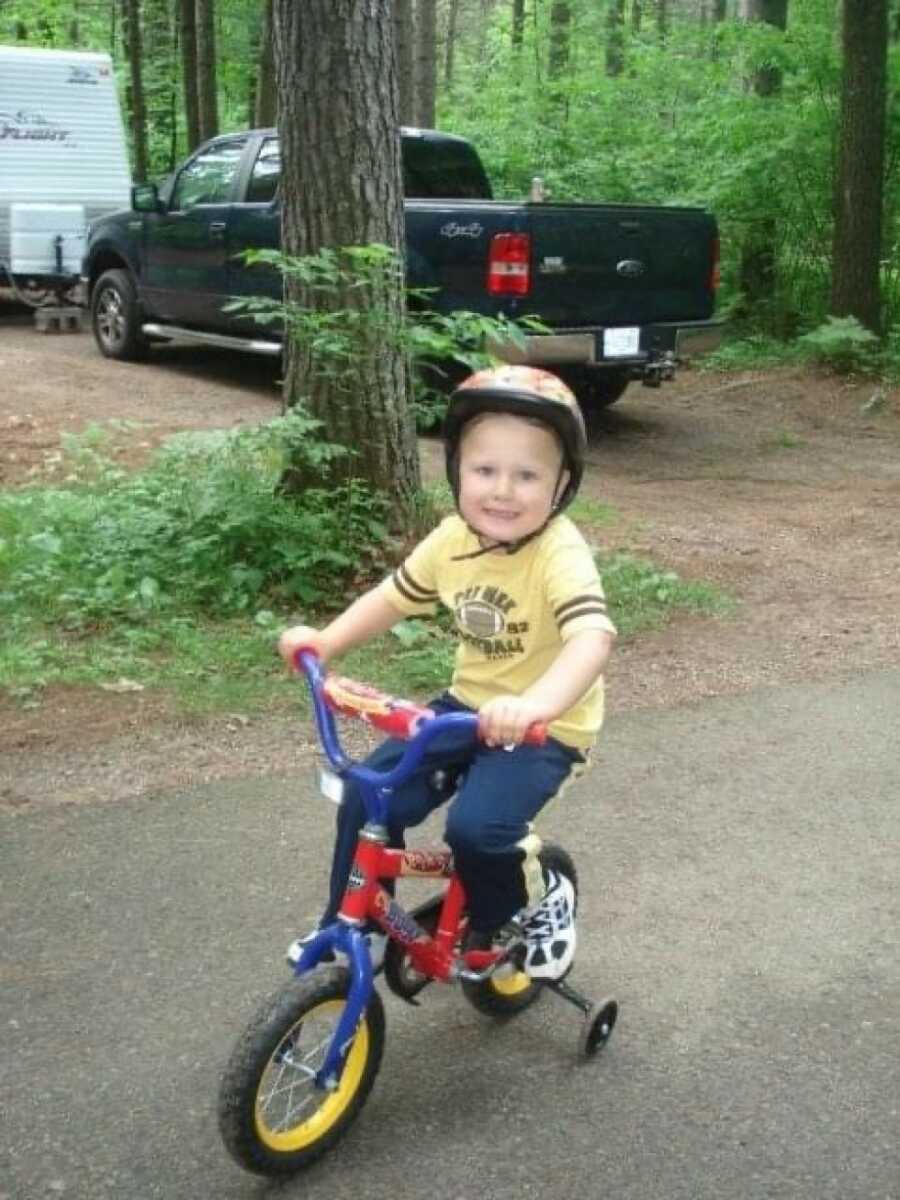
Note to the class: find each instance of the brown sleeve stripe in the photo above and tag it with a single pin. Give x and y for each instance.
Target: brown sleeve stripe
(407, 586)
(578, 600)
(587, 610)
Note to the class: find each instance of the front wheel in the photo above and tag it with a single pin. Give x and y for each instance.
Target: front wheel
(272, 1118)
(509, 991)
(115, 317)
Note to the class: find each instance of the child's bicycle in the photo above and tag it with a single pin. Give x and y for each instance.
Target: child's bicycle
(301, 1072)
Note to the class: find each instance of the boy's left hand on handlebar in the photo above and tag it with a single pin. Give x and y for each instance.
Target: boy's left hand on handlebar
(505, 720)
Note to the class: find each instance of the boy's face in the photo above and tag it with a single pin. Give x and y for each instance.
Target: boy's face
(509, 473)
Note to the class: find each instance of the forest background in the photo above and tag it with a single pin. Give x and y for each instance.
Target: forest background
(735, 105)
(778, 115)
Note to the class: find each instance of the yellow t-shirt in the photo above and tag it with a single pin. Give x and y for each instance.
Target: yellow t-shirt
(513, 612)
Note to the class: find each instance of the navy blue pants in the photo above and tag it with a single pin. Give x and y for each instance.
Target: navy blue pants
(500, 793)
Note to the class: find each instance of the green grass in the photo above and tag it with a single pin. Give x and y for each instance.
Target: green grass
(179, 578)
(220, 666)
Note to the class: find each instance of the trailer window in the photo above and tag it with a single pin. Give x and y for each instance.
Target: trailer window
(208, 178)
(266, 173)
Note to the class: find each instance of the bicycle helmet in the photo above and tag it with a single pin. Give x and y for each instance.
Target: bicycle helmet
(523, 392)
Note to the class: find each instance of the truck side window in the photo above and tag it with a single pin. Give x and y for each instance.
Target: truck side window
(266, 173)
(207, 179)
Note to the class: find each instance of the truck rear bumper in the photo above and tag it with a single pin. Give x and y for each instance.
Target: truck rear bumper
(671, 341)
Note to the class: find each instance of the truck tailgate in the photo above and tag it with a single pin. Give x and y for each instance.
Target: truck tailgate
(598, 264)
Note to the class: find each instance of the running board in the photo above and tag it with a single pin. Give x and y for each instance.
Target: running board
(224, 340)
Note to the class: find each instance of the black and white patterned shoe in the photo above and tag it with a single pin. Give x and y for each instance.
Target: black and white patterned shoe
(549, 930)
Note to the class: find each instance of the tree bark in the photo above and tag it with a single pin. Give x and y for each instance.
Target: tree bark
(341, 185)
(452, 19)
(404, 43)
(758, 269)
(207, 88)
(859, 193)
(662, 19)
(266, 110)
(187, 32)
(560, 32)
(426, 36)
(518, 23)
(131, 19)
(615, 38)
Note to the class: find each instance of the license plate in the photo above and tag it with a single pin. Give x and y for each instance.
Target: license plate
(622, 343)
(331, 786)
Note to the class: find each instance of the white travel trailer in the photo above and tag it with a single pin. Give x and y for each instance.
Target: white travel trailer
(63, 161)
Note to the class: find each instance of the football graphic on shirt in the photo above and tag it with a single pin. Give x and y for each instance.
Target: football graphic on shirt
(480, 619)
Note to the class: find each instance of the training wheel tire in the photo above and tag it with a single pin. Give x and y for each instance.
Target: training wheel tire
(598, 1026)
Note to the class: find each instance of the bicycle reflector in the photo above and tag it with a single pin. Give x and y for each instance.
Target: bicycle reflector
(509, 265)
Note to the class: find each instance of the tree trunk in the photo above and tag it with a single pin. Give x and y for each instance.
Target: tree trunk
(426, 33)
(859, 194)
(662, 19)
(758, 269)
(560, 31)
(615, 38)
(452, 19)
(131, 20)
(518, 23)
(341, 185)
(265, 113)
(207, 89)
(404, 43)
(636, 16)
(187, 32)
(767, 80)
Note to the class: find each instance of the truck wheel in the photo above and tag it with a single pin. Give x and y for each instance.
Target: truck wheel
(115, 317)
(596, 389)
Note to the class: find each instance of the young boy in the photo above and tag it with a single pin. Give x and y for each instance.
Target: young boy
(534, 638)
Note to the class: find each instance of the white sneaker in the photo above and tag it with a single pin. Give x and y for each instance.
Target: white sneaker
(377, 943)
(549, 929)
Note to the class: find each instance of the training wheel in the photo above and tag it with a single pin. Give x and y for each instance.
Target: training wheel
(598, 1025)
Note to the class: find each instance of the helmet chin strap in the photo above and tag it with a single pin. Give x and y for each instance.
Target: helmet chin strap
(515, 546)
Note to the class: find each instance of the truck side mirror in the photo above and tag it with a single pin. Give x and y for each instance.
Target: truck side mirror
(145, 198)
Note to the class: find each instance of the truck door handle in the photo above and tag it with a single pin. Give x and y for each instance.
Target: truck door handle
(217, 227)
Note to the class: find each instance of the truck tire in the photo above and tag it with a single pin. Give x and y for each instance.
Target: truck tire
(116, 318)
(596, 389)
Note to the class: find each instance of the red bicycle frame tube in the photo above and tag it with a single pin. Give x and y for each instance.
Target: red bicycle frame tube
(366, 900)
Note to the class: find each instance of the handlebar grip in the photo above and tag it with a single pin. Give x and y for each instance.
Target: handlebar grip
(299, 653)
(536, 734)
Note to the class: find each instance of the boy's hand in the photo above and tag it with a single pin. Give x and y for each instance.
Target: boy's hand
(505, 720)
(299, 636)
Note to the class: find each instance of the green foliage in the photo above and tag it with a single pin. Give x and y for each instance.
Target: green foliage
(841, 344)
(343, 308)
(201, 532)
(751, 353)
(642, 596)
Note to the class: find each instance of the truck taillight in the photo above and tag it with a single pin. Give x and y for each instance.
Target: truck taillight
(715, 275)
(509, 265)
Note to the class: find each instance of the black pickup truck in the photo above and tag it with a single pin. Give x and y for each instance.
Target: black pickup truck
(626, 290)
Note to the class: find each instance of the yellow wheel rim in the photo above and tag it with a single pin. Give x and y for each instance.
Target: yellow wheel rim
(291, 1112)
(512, 984)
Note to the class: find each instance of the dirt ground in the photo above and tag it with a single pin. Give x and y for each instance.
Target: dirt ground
(782, 487)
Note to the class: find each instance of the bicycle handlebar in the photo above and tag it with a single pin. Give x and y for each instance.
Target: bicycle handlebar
(400, 718)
